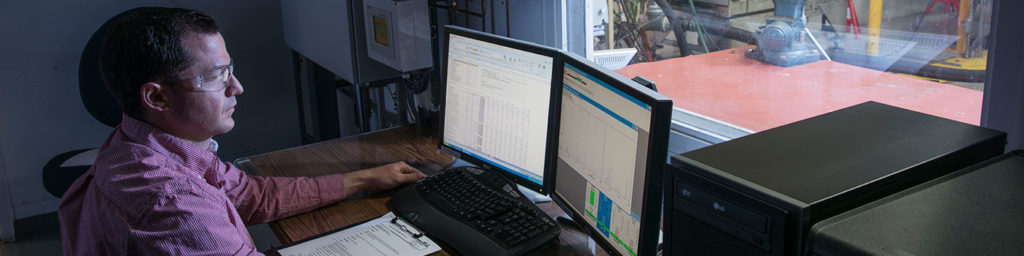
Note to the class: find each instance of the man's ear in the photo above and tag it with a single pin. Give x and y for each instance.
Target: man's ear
(154, 96)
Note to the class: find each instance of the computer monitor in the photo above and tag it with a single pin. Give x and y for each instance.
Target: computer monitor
(496, 109)
(612, 144)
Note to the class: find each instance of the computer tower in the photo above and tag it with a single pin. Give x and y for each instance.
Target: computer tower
(974, 211)
(760, 194)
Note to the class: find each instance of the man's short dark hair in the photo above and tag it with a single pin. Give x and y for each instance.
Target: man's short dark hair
(147, 45)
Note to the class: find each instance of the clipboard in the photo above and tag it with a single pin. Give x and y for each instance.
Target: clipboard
(384, 235)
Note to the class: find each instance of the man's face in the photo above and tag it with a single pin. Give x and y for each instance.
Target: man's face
(197, 112)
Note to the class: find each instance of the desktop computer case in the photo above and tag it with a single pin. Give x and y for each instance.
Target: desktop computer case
(974, 211)
(760, 194)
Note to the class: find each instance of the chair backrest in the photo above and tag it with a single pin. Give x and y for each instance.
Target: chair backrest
(58, 176)
(57, 173)
(95, 96)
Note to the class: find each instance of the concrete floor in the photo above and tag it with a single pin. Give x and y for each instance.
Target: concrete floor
(40, 235)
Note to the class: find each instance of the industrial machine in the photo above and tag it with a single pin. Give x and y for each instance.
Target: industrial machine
(734, 8)
(783, 40)
(398, 33)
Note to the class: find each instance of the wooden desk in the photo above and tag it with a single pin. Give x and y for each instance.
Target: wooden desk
(366, 151)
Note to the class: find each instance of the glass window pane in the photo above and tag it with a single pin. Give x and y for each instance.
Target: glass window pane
(744, 66)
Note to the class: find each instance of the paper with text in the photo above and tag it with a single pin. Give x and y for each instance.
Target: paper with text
(384, 236)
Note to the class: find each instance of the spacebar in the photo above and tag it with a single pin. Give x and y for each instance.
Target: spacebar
(440, 203)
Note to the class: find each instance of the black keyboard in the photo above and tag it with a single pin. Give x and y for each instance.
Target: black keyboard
(476, 212)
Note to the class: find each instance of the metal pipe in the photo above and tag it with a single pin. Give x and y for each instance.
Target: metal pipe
(677, 26)
(680, 21)
(508, 32)
(874, 26)
(492, 16)
(610, 28)
(963, 12)
(483, 16)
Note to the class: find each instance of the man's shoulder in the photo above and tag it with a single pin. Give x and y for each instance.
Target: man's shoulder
(137, 178)
(120, 148)
(127, 164)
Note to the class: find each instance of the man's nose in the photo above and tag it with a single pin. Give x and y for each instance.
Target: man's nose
(235, 88)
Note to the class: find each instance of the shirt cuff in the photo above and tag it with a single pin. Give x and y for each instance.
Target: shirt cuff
(331, 188)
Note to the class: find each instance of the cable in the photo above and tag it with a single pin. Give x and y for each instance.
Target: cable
(417, 82)
(700, 29)
(705, 32)
(394, 100)
(676, 25)
(822, 50)
(639, 42)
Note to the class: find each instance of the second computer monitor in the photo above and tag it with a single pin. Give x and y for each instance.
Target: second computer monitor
(497, 108)
(612, 145)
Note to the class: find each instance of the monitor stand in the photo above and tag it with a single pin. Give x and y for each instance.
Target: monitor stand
(460, 163)
(533, 195)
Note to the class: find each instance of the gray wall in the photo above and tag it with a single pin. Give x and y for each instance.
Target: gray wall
(41, 114)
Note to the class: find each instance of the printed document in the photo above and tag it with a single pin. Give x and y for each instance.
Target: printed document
(387, 235)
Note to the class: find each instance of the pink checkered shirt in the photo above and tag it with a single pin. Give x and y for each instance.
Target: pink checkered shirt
(150, 193)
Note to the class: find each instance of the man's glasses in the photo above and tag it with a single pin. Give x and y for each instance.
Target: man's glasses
(216, 80)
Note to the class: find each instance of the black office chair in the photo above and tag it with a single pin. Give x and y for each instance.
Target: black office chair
(64, 169)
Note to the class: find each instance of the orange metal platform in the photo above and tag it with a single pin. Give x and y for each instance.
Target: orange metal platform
(728, 86)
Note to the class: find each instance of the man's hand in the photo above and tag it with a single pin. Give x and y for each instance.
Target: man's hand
(381, 178)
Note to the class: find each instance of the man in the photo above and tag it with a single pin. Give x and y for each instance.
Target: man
(156, 186)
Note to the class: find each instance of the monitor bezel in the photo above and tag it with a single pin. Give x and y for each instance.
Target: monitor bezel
(553, 108)
(661, 119)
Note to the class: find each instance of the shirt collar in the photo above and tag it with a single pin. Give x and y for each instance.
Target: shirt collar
(185, 152)
(213, 146)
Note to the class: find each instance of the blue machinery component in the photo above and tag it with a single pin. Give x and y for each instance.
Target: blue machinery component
(783, 39)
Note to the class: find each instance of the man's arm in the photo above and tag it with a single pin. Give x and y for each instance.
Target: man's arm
(262, 199)
(381, 178)
(190, 224)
